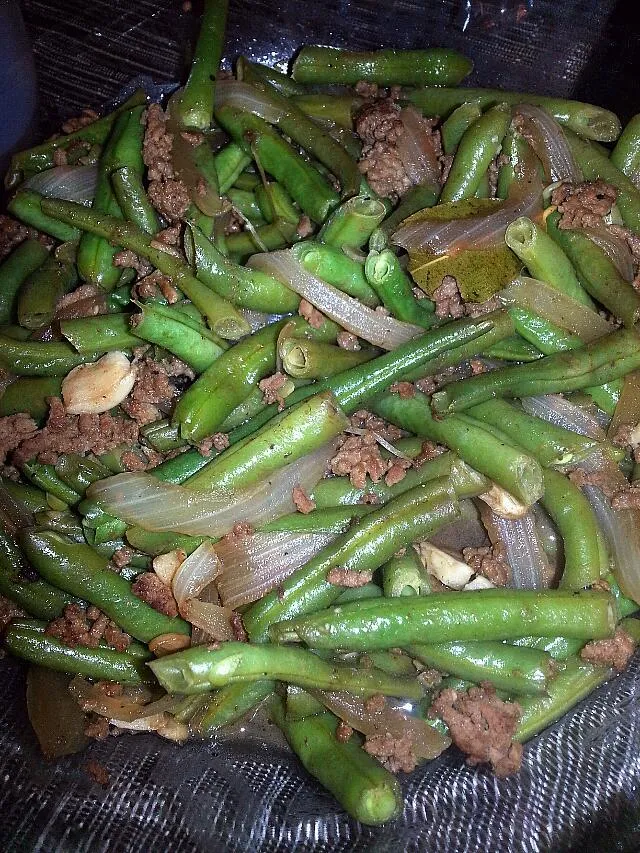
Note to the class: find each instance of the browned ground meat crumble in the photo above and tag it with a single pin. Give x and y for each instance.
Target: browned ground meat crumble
(85, 301)
(396, 754)
(88, 116)
(157, 594)
(218, 441)
(156, 388)
(428, 451)
(490, 562)
(313, 317)
(237, 627)
(9, 611)
(583, 204)
(348, 341)
(616, 652)
(482, 726)
(359, 456)
(448, 300)
(96, 726)
(153, 284)
(343, 732)
(12, 233)
(167, 194)
(302, 502)
(405, 390)
(129, 260)
(142, 459)
(121, 557)
(271, 387)
(348, 577)
(98, 772)
(14, 429)
(80, 627)
(378, 124)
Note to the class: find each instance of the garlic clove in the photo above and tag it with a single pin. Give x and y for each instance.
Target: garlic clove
(98, 386)
(503, 503)
(448, 569)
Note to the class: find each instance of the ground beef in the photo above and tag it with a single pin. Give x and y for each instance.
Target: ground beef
(624, 435)
(477, 309)
(85, 301)
(96, 727)
(378, 124)
(234, 223)
(154, 284)
(627, 497)
(447, 299)
(237, 626)
(60, 157)
(218, 441)
(302, 502)
(98, 772)
(490, 562)
(477, 366)
(143, 459)
(358, 457)
(428, 451)
(428, 677)
(9, 611)
(405, 390)
(129, 260)
(615, 653)
(609, 485)
(167, 194)
(375, 704)
(65, 433)
(313, 317)
(15, 429)
(304, 228)
(583, 204)
(154, 391)
(80, 627)
(397, 471)
(446, 162)
(343, 732)
(151, 589)
(348, 577)
(12, 233)
(482, 726)
(121, 557)
(362, 419)
(271, 387)
(366, 90)
(348, 341)
(397, 754)
(87, 117)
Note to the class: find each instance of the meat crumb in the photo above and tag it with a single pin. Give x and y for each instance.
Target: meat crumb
(14, 429)
(80, 627)
(85, 301)
(348, 341)
(448, 299)
(148, 587)
(359, 456)
(615, 653)
(428, 451)
(374, 704)
(627, 497)
(379, 126)
(98, 773)
(304, 228)
(121, 557)
(482, 726)
(96, 727)
(154, 284)
(142, 460)
(583, 205)
(88, 116)
(237, 626)
(271, 387)
(168, 195)
(218, 441)
(65, 433)
(313, 317)
(343, 732)
(405, 390)
(348, 577)
(9, 611)
(362, 419)
(397, 471)
(129, 260)
(396, 754)
(366, 89)
(156, 387)
(302, 502)
(490, 562)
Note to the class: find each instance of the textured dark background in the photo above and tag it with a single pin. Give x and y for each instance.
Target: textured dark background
(579, 787)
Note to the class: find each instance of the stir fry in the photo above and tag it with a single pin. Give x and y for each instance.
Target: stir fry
(319, 394)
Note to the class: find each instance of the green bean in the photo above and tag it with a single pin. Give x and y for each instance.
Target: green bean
(222, 317)
(598, 274)
(595, 164)
(248, 181)
(338, 109)
(305, 185)
(405, 575)
(245, 202)
(544, 258)
(167, 327)
(454, 128)
(37, 597)
(46, 478)
(560, 648)
(224, 385)
(162, 436)
(21, 264)
(29, 498)
(476, 150)
(394, 287)
(230, 163)
(626, 154)
(517, 151)
(352, 223)
(29, 394)
(132, 199)
(275, 203)
(104, 333)
(245, 287)
(496, 614)
(100, 663)
(77, 569)
(26, 205)
(577, 523)
(64, 522)
(41, 291)
(523, 671)
(195, 104)
(39, 358)
(42, 156)
(431, 67)
(285, 439)
(201, 668)
(513, 469)
(603, 360)
(155, 543)
(306, 359)
(230, 704)
(514, 348)
(585, 119)
(413, 515)
(265, 238)
(331, 265)
(282, 82)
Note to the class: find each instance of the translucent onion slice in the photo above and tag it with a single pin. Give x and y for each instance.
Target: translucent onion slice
(557, 410)
(547, 139)
(141, 499)
(530, 568)
(72, 183)
(556, 307)
(615, 248)
(244, 96)
(377, 328)
(254, 565)
(416, 150)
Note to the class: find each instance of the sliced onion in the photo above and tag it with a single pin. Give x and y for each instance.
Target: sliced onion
(615, 248)
(557, 410)
(379, 329)
(416, 150)
(141, 499)
(213, 619)
(474, 232)
(254, 565)
(530, 568)
(258, 320)
(427, 742)
(556, 307)
(245, 97)
(195, 574)
(71, 183)
(550, 144)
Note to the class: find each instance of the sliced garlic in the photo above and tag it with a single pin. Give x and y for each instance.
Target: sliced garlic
(503, 503)
(99, 386)
(480, 582)
(448, 569)
(166, 565)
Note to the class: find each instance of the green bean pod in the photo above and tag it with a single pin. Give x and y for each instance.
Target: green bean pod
(275, 203)
(18, 268)
(394, 287)
(306, 359)
(352, 223)
(26, 205)
(29, 394)
(265, 238)
(230, 704)
(40, 293)
(104, 333)
(128, 188)
(405, 575)
(454, 128)
(230, 162)
(331, 265)
(626, 153)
